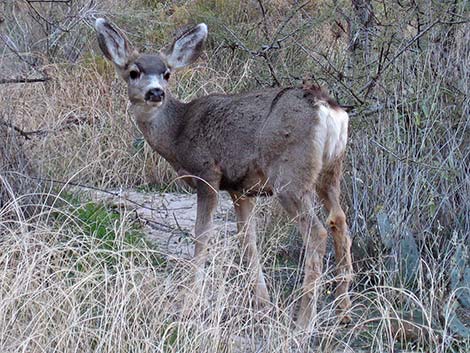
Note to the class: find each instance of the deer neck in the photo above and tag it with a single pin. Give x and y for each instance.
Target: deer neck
(160, 125)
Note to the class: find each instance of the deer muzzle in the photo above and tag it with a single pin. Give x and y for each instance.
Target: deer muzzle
(155, 95)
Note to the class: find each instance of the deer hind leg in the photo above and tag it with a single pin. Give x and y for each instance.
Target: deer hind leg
(246, 225)
(314, 236)
(329, 190)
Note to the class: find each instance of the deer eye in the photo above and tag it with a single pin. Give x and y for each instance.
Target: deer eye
(166, 76)
(134, 74)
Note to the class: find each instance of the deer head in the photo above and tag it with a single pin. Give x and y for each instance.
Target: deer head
(147, 75)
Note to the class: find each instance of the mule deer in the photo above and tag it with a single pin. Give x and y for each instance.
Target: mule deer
(287, 142)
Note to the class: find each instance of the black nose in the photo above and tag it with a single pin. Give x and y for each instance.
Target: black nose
(155, 95)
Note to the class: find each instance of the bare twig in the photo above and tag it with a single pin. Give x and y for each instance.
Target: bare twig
(285, 22)
(89, 187)
(265, 25)
(260, 53)
(275, 42)
(408, 159)
(56, 1)
(374, 79)
(47, 21)
(346, 87)
(271, 69)
(71, 121)
(23, 80)
(8, 44)
(369, 111)
(239, 43)
(17, 129)
(28, 134)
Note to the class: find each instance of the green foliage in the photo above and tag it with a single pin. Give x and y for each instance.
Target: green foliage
(99, 63)
(107, 238)
(138, 144)
(216, 11)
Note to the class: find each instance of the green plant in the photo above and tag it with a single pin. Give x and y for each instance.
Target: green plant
(110, 237)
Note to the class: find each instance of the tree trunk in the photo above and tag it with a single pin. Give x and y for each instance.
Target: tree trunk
(361, 37)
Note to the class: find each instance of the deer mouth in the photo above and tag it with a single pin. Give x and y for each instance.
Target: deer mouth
(154, 103)
(154, 99)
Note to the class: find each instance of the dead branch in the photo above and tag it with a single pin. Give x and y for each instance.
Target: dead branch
(337, 79)
(42, 17)
(8, 43)
(374, 79)
(67, 124)
(265, 25)
(275, 43)
(23, 80)
(407, 159)
(111, 193)
(56, 1)
(21, 132)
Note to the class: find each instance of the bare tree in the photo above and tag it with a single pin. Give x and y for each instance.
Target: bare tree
(361, 35)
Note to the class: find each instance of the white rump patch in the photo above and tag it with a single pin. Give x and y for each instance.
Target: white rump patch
(335, 131)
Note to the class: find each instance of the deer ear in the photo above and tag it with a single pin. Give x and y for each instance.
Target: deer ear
(113, 43)
(186, 48)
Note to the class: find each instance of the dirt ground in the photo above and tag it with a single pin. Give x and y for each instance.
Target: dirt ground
(169, 218)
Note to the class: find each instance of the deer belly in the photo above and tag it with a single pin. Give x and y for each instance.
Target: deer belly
(252, 183)
(187, 177)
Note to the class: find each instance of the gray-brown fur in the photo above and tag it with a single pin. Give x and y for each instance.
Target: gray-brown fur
(150, 64)
(288, 142)
(239, 142)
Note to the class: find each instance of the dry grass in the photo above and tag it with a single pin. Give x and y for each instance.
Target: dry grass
(62, 289)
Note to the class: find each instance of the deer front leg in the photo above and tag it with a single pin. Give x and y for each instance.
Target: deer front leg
(206, 205)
